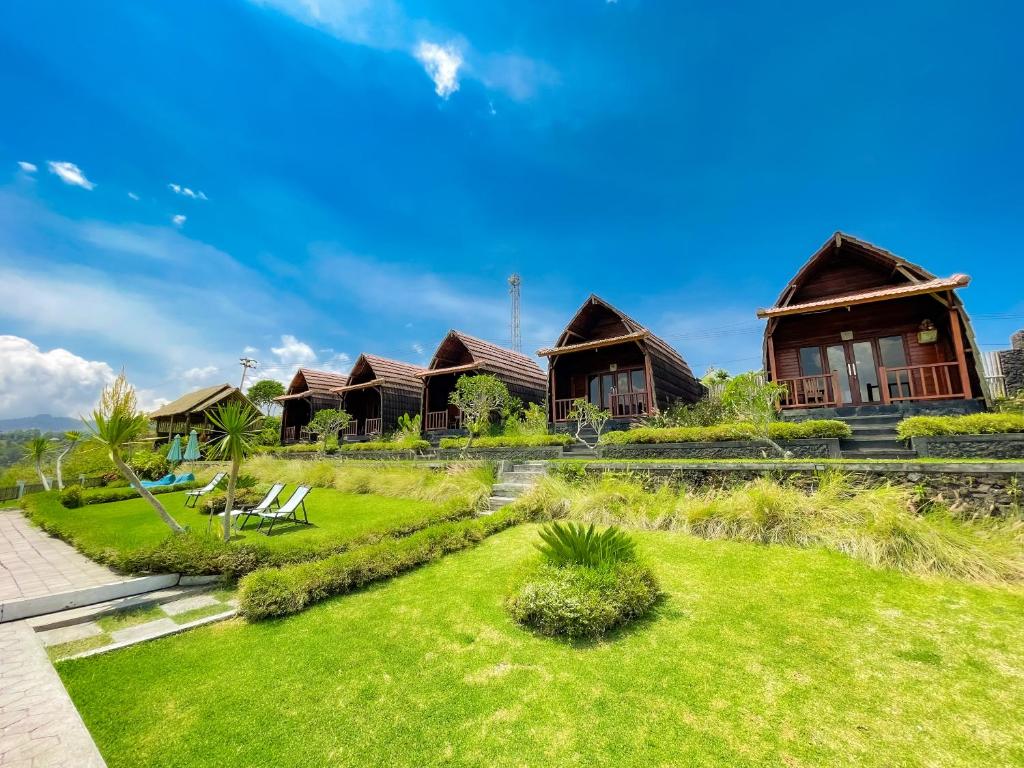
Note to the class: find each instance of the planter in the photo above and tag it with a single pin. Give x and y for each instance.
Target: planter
(1008, 446)
(818, 448)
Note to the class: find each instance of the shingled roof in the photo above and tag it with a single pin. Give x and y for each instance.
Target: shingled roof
(196, 402)
(487, 358)
(309, 382)
(386, 370)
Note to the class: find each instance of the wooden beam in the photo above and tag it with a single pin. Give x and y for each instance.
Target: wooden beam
(773, 371)
(958, 346)
(652, 400)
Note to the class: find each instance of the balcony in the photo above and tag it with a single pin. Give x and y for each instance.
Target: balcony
(812, 392)
(910, 383)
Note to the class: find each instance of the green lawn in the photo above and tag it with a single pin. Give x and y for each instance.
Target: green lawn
(757, 656)
(132, 524)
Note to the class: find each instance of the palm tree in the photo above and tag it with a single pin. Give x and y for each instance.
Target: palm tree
(236, 426)
(71, 439)
(36, 449)
(118, 421)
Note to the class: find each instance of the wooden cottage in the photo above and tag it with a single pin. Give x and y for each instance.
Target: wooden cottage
(459, 355)
(609, 359)
(190, 411)
(378, 392)
(310, 391)
(858, 325)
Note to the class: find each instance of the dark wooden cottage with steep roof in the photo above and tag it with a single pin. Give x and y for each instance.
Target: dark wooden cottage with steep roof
(609, 359)
(378, 392)
(859, 325)
(190, 411)
(460, 354)
(310, 391)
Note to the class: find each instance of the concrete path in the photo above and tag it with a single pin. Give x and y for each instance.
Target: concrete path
(33, 564)
(39, 726)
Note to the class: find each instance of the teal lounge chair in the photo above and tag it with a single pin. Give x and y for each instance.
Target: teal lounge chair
(165, 480)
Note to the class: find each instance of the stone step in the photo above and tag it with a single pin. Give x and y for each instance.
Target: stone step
(520, 476)
(864, 430)
(511, 489)
(497, 502)
(92, 612)
(894, 454)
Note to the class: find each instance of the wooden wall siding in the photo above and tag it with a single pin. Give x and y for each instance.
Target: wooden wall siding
(836, 275)
(572, 370)
(400, 392)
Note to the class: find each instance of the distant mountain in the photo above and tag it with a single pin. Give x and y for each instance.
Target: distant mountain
(44, 422)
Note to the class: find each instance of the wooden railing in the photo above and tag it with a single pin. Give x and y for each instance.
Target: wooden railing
(373, 426)
(436, 420)
(812, 392)
(939, 381)
(624, 405)
(290, 434)
(352, 429)
(562, 408)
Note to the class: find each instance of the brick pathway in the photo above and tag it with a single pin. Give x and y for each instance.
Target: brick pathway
(33, 564)
(39, 726)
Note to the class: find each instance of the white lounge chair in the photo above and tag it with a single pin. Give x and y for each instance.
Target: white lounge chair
(289, 511)
(194, 495)
(264, 506)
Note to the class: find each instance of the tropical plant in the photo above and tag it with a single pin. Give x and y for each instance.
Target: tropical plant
(585, 413)
(478, 397)
(262, 393)
(409, 427)
(117, 421)
(36, 450)
(236, 427)
(71, 439)
(327, 424)
(755, 400)
(576, 544)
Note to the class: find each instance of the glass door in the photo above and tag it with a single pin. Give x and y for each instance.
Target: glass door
(865, 369)
(839, 365)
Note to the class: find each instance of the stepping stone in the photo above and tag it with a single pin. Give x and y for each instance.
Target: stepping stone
(143, 631)
(70, 633)
(187, 604)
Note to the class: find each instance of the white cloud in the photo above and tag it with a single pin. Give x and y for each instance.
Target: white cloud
(57, 382)
(200, 375)
(418, 348)
(293, 352)
(178, 189)
(442, 64)
(178, 219)
(27, 167)
(133, 196)
(71, 174)
(250, 350)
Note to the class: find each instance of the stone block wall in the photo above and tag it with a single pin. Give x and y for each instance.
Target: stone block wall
(1009, 446)
(822, 448)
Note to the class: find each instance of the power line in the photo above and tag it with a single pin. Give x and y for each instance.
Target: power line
(515, 335)
(247, 363)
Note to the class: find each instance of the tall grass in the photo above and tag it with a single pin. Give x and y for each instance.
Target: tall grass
(879, 525)
(468, 484)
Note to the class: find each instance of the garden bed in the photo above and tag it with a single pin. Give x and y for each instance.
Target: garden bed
(1001, 446)
(821, 448)
(508, 453)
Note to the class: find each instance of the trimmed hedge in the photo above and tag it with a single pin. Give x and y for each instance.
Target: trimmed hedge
(779, 430)
(386, 445)
(271, 592)
(120, 493)
(508, 441)
(971, 424)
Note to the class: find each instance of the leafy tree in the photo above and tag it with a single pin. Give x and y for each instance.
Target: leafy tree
(756, 400)
(584, 413)
(478, 397)
(118, 421)
(37, 449)
(71, 439)
(262, 393)
(327, 424)
(236, 428)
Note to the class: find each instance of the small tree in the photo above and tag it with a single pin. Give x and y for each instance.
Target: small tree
(238, 426)
(585, 413)
(117, 421)
(262, 393)
(328, 423)
(71, 439)
(756, 400)
(37, 449)
(478, 397)
(409, 427)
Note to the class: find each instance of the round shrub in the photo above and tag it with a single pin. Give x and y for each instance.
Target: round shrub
(71, 497)
(577, 601)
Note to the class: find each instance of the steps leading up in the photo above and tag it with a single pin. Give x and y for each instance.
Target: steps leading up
(514, 480)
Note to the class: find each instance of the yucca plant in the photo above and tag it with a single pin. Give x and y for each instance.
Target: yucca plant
(237, 426)
(117, 421)
(37, 450)
(575, 544)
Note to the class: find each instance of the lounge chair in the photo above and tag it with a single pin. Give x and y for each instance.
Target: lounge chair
(288, 511)
(188, 477)
(194, 495)
(165, 480)
(264, 506)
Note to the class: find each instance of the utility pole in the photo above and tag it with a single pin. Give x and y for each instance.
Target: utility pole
(247, 363)
(516, 339)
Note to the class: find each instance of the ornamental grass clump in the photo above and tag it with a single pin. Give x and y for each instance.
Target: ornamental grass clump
(587, 583)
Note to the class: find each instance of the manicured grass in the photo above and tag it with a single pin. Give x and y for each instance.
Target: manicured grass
(132, 618)
(759, 655)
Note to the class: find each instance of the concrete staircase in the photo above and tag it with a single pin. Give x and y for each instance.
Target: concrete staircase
(514, 479)
(874, 437)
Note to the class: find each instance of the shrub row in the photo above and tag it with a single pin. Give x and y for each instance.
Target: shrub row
(386, 445)
(779, 430)
(75, 496)
(508, 441)
(972, 424)
(271, 592)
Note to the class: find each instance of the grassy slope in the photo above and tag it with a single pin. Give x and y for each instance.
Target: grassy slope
(132, 524)
(758, 656)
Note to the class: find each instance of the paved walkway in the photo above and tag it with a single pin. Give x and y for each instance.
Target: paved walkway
(33, 564)
(39, 726)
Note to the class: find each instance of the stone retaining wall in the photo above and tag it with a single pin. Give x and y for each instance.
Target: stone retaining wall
(968, 489)
(820, 448)
(512, 453)
(1009, 446)
(1012, 363)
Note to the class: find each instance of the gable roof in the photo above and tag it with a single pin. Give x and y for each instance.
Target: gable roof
(867, 297)
(488, 358)
(384, 370)
(197, 401)
(308, 382)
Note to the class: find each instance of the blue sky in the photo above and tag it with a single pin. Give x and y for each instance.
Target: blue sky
(183, 182)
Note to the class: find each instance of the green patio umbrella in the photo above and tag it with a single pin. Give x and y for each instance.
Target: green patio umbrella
(174, 454)
(192, 449)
